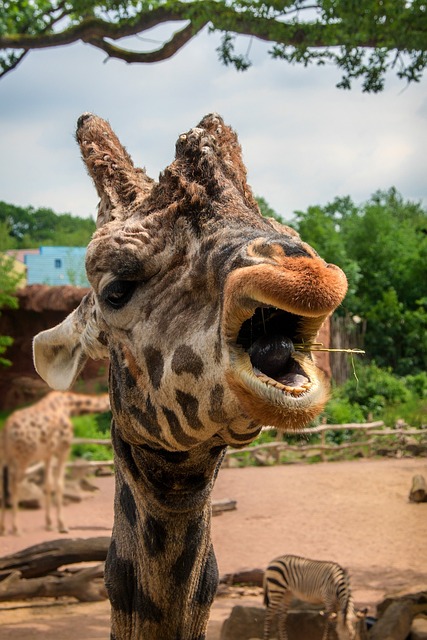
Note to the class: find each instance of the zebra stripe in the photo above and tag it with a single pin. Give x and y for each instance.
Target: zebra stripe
(315, 581)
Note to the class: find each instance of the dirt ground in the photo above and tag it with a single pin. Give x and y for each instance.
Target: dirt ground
(356, 513)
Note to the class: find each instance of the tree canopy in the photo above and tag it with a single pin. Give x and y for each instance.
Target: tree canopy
(26, 227)
(363, 38)
(9, 281)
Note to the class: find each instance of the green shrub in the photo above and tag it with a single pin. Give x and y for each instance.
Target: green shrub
(92, 426)
(417, 384)
(374, 389)
(341, 411)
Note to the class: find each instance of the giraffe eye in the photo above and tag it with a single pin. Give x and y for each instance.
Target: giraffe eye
(118, 293)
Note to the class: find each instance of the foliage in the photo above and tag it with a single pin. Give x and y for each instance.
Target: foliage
(382, 247)
(92, 426)
(400, 336)
(374, 389)
(340, 410)
(363, 39)
(9, 280)
(266, 210)
(26, 227)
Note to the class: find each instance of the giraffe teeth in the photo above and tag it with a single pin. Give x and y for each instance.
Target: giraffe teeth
(294, 391)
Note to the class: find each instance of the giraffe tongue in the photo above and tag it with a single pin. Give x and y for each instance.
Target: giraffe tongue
(272, 355)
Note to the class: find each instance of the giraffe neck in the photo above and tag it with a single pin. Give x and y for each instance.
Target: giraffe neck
(161, 571)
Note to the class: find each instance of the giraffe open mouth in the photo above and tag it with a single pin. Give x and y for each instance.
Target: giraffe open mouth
(274, 382)
(268, 338)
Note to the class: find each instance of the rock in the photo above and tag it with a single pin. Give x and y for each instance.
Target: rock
(418, 600)
(247, 623)
(233, 463)
(419, 628)
(263, 459)
(30, 495)
(395, 623)
(86, 485)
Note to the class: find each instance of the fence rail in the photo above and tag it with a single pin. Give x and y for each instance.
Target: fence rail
(370, 433)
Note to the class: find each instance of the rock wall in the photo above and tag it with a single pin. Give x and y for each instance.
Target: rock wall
(40, 307)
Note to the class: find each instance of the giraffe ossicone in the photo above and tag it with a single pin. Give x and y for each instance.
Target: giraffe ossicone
(189, 281)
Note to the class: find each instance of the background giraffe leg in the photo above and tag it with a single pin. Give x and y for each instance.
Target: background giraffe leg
(15, 477)
(59, 474)
(48, 491)
(2, 498)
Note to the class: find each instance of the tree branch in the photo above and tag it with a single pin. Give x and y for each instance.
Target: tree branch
(179, 39)
(91, 27)
(14, 64)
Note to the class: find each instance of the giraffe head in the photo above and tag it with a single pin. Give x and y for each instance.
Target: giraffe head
(196, 298)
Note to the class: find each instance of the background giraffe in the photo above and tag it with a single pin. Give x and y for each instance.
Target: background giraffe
(43, 432)
(198, 301)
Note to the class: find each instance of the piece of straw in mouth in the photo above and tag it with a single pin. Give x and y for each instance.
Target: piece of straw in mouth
(318, 346)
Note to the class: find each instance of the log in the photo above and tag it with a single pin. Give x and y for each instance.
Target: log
(418, 492)
(218, 506)
(253, 577)
(87, 585)
(41, 559)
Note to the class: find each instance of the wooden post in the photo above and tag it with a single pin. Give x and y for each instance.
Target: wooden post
(323, 441)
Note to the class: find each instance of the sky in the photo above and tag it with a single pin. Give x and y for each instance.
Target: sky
(304, 141)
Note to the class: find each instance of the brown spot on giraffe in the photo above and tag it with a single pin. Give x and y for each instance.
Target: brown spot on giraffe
(185, 360)
(42, 432)
(188, 282)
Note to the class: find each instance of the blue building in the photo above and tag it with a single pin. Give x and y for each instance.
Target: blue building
(57, 266)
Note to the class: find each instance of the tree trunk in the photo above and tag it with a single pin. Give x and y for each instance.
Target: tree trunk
(43, 558)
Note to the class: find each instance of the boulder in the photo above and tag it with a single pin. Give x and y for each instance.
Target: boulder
(395, 623)
(30, 495)
(247, 623)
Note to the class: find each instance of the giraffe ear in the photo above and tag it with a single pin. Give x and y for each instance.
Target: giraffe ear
(60, 353)
(120, 185)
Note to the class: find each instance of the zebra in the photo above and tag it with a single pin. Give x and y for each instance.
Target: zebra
(315, 581)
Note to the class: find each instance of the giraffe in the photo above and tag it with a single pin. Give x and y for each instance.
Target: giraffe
(43, 432)
(197, 300)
